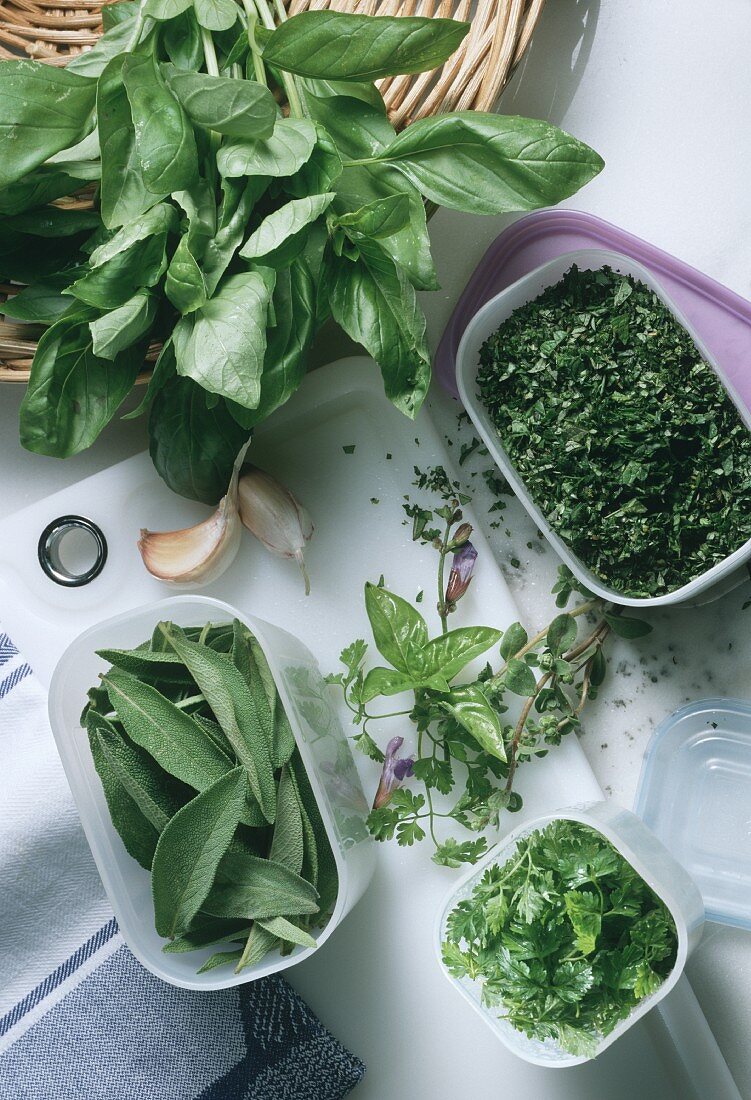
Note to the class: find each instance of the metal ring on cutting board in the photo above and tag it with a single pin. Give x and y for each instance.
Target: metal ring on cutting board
(49, 545)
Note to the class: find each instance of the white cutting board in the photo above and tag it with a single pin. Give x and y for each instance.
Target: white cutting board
(376, 983)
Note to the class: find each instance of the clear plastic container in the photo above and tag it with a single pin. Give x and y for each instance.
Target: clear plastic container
(484, 324)
(694, 794)
(320, 738)
(648, 856)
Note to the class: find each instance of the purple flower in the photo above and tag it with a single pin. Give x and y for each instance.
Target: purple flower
(461, 573)
(395, 771)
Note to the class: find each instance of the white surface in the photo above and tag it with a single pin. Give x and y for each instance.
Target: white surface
(486, 322)
(649, 858)
(361, 532)
(128, 885)
(661, 89)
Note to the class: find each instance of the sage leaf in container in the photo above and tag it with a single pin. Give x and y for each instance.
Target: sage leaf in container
(206, 787)
(190, 850)
(175, 741)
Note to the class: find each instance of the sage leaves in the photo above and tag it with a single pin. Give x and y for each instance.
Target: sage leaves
(206, 787)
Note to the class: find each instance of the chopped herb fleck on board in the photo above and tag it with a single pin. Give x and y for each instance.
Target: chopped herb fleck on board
(623, 435)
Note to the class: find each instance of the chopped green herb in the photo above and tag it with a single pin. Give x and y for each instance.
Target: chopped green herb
(374, 500)
(624, 436)
(566, 937)
(419, 596)
(349, 448)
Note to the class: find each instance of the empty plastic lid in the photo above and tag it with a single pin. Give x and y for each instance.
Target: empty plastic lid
(695, 794)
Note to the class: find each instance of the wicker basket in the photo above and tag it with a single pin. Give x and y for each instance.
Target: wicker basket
(472, 79)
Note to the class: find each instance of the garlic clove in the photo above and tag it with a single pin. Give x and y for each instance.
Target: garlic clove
(196, 556)
(274, 515)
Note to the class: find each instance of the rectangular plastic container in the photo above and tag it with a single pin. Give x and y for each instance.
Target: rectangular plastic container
(320, 738)
(649, 857)
(484, 324)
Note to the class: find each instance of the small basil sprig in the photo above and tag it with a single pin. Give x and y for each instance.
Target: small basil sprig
(470, 736)
(229, 233)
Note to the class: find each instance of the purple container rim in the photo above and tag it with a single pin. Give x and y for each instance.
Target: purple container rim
(481, 285)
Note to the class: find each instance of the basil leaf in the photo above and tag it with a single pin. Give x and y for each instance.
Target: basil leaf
(520, 678)
(123, 195)
(470, 707)
(336, 46)
(239, 196)
(160, 219)
(185, 285)
(135, 830)
(237, 108)
(112, 43)
(72, 394)
(164, 140)
(399, 630)
(287, 845)
(23, 260)
(170, 735)
(285, 361)
(193, 443)
(36, 188)
(381, 218)
(251, 888)
(190, 850)
(222, 345)
(512, 163)
(182, 41)
(112, 283)
(321, 170)
(236, 711)
(216, 15)
(375, 304)
(408, 247)
(385, 681)
(42, 302)
(449, 653)
(122, 327)
(166, 9)
(45, 109)
(561, 634)
(514, 639)
(285, 930)
(53, 221)
(358, 128)
(284, 226)
(288, 148)
(121, 11)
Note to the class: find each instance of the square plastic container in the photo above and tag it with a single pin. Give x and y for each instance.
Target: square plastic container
(323, 747)
(694, 794)
(648, 856)
(484, 324)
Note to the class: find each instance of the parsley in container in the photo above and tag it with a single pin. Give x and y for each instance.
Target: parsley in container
(216, 788)
(614, 427)
(569, 931)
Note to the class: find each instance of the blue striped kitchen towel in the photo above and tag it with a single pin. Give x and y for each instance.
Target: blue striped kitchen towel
(80, 1019)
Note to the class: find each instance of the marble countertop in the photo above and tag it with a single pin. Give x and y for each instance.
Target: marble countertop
(661, 89)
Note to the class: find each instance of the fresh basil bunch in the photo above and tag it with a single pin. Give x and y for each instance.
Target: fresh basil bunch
(225, 232)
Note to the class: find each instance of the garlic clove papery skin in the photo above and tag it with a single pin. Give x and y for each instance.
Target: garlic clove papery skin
(196, 556)
(274, 515)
